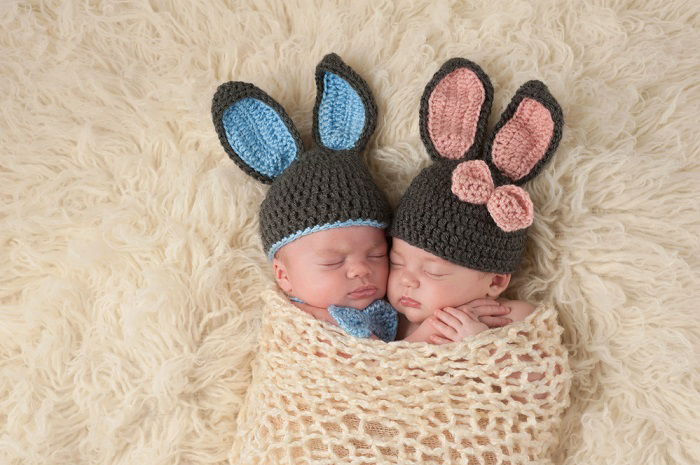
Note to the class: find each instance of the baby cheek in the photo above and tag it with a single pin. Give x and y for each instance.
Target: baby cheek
(389, 281)
(383, 273)
(436, 295)
(313, 282)
(391, 288)
(333, 282)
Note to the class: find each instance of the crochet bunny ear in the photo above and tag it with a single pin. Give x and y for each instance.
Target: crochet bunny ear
(454, 110)
(254, 130)
(526, 136)
(345, 114)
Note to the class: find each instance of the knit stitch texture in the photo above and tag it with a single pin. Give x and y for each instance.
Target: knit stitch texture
(319, 396)
(379, 318)
(468, 207)
(322, 188)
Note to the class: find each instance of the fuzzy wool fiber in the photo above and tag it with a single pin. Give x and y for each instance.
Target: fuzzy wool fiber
(131, 270)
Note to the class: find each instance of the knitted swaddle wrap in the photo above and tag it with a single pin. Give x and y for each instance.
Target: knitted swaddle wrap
(319, 396)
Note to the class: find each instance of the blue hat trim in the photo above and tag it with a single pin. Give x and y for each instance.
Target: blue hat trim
(338, 224)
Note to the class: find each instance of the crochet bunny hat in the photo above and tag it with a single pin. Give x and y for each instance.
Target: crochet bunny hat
(467, 207)
(323, 188)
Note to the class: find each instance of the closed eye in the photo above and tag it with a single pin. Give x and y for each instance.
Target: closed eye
(435, 275)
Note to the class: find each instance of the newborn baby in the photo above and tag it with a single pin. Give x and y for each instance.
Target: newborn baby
(348, 267)
(345, 267)
(460, 229)
(430, 293)
(323, 220)
(322, 230)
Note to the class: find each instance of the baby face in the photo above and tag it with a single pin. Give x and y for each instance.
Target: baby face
(343, 266)
(420, 282)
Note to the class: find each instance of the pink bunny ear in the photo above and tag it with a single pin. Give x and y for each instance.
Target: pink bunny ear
(454, 110)
(527, 135)
(523, 141)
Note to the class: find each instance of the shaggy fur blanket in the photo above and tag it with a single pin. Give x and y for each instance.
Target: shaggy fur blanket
(131, 272)
(320, 396)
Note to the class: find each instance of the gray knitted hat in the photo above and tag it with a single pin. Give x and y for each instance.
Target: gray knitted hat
(323, 188)
(467, 207)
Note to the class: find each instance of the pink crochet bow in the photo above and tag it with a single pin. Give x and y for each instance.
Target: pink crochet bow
(509, 205)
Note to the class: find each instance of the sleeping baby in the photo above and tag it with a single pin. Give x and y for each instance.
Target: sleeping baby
(323, 219)
(460, 229)
(315, 394)
(345, 267)
(429, 292)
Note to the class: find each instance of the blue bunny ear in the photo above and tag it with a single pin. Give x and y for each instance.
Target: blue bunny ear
(345, 114)
(254, 130)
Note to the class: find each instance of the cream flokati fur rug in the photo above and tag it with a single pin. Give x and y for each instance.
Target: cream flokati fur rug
(130, 265)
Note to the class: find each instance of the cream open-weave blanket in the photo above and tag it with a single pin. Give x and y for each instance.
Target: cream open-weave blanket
(319, 396)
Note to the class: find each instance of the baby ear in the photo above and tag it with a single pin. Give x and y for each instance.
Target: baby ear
(527, 134)
(499, 283)
(281, 275)
(254, 130)
(345, 114)
(454, 110)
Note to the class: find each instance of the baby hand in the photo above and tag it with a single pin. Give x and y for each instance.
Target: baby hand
(453, 325)
(488, 311)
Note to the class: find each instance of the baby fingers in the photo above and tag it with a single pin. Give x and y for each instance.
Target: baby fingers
(482, 302)
(444, 329)
(491, 308)
(495, 321)
(452, 317)
(438, 340)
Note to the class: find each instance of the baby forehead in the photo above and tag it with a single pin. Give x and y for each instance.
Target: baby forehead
(346, 240)
(405, 250)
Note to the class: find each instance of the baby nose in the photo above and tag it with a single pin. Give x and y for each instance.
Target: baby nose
(358, 269)
(408, 280)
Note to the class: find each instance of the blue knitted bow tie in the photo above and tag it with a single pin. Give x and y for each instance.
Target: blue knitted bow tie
(379, 318)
